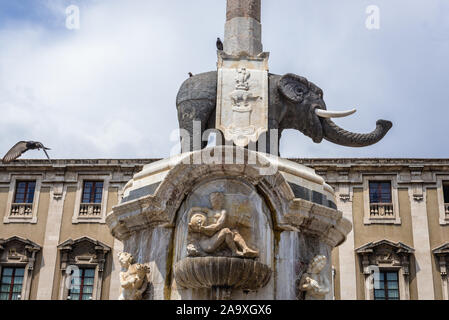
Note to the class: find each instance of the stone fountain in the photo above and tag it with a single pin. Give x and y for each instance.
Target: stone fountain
(230, 222)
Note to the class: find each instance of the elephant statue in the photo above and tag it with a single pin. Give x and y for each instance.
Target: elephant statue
(294, 103)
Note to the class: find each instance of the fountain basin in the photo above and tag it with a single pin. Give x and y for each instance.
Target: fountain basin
(227, 272)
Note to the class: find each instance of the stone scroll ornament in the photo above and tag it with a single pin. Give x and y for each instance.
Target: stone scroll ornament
(215, 239)
(133, 278)
(313, 283)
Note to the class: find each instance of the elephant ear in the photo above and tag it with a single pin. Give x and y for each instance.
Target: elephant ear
(293, 87)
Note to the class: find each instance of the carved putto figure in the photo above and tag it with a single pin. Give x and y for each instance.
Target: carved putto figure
(133, 278)
(315, 285)
(208, 239)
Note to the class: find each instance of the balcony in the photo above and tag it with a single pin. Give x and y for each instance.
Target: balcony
(90, 210)
(381, 210)
(21, 210)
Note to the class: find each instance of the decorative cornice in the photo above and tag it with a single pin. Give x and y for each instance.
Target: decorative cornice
(442, 250)
(398, 247)
(29, 245)
(442, 255)
(70, 243)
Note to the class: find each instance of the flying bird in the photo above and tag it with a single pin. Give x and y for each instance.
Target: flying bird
(190, 74)
(219, 44)
(22, 147)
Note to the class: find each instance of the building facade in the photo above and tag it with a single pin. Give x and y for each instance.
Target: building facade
(54, 243)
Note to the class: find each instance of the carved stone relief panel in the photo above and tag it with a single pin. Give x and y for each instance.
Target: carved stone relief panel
(222, 224)
(218, 211)
(242, 98)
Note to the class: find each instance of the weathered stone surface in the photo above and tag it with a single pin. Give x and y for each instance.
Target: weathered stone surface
(133, 278)
(208, 272)
(242, 98)
(258, 213)
(243, 35)
(243, 8)
(315, 285)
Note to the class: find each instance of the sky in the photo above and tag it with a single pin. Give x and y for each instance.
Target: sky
(108, 89)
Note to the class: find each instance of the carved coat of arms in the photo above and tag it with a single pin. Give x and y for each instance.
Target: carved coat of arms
(242, 98)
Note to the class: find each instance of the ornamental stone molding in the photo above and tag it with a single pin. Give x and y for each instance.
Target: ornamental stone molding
(385, 254)
(82, 252)
(194, 224)
(93, 212)
(177, 179)
(381, 214)
(442, 259)
(22, 213)
(19, 252)
(231, 274)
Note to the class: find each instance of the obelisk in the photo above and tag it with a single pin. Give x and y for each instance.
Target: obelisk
(242, 84)
(243, 30)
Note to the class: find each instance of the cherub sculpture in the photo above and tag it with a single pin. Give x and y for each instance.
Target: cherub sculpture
(133, 278)
(212, 237)
(312, 282)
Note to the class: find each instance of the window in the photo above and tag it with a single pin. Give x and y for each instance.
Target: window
(82, 264)
(390, 263)
(387, 287)
(380, 199)
(92, 191)
(82, 284)
(23, 199)
(11, 283)
(443, 198)
(24, 192)
(446, 199)
(91, 199)
(380, 192)
(446, 193)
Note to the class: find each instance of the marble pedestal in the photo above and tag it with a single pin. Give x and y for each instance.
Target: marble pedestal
(283, 212)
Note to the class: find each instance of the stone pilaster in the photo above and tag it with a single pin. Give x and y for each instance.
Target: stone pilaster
(50, 247)
(422, 246)
(348, 282)
(114, 288)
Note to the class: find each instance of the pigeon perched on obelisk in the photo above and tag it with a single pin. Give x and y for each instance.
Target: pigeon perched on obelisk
(219, 44)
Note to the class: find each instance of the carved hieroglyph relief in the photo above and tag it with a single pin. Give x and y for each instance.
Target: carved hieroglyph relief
(210, 234)
(133, 278)
(313, 283)
(242, 98)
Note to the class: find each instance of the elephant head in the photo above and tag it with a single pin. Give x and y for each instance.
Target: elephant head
(307, 113)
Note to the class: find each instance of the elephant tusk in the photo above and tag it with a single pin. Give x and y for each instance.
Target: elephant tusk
(333, 114)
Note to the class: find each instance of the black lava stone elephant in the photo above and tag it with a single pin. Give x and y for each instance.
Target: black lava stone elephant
(294, 103)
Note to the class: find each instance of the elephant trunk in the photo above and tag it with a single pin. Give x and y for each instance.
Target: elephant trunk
(335, 134)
